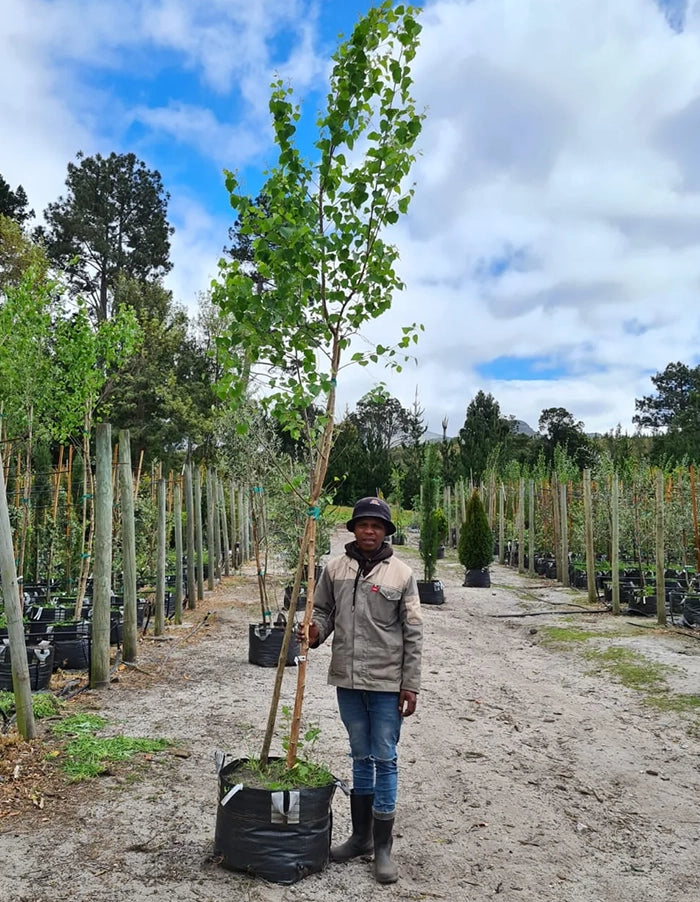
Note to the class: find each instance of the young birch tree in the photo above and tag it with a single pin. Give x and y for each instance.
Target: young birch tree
(319, 249)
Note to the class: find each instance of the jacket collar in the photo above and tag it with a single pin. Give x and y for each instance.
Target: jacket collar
(367, 564)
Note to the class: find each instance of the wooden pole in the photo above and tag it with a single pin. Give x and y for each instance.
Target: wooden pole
(660, 555)
(211, 531)
(128, 529)
(102, 571)
(694, 502)
(531, 527)
(501, 524)
(615, 539)
(226, 550)
(216, 514)
(15, 623)
(177, 510)
(189, 522)
(521, 525)
(198, 532)
(588, 536)
(232, 523)
(564, 521)
(159, 621)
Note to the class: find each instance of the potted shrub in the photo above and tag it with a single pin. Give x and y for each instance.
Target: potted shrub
(475, 547)
(430, 589)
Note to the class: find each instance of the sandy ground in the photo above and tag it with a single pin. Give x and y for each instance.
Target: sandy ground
(523, 774)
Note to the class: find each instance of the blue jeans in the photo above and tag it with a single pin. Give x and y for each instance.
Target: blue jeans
(373, 722)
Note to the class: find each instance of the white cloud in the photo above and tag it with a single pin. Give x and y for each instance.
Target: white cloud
(563, 134)
(557, 213)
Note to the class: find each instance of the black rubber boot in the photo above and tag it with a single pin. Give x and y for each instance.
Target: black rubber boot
(384, 868)
(360, 842)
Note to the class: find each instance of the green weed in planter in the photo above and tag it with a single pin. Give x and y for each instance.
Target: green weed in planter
(44, 704)
(88, 756)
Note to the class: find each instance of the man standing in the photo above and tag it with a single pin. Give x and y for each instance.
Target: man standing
(368, 600)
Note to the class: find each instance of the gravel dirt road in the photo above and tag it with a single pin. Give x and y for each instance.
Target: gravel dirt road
(528, 772)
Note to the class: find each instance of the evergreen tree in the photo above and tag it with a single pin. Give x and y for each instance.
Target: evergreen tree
(673, 413)
(14, 204)
(484, 429)
(475, 547)
(111, 223)
(559, 430)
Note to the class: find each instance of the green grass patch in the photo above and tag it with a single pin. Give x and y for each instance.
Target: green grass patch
(564, 635)
(87, 755)
(44, 704)
(683, 703)
(631, 669)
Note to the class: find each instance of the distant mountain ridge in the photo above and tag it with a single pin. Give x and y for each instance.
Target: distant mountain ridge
(521, 428)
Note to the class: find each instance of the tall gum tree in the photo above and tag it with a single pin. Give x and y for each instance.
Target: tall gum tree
(318, 247)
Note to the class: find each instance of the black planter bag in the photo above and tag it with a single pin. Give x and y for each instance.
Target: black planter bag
(479, 578)
(40, 663)
(279, 836)
(265, 642)
(431, 591)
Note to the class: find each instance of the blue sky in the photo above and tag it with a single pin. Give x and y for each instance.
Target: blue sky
(553, 247)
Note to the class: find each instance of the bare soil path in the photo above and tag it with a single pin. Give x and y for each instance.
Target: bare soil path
(526, 774)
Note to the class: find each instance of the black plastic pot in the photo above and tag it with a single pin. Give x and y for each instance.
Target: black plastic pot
(279, 836)
(479, 578)
(265, 643)
(431, 591)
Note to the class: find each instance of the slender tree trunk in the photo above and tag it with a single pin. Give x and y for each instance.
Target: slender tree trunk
(15, 623)
(126, 493)
(69, 508)
(26, 502)
(99, 670)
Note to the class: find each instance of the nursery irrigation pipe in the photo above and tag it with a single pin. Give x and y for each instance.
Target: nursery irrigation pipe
(542, 613)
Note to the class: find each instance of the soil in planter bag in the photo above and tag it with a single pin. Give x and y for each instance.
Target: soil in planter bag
(279, 836)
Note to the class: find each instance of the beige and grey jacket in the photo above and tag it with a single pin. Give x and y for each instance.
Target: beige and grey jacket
(376, 622)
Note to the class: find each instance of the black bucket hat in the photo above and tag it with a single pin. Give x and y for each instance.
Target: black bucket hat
(372, 507)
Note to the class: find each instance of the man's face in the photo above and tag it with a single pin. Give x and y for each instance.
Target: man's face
(369, 534)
